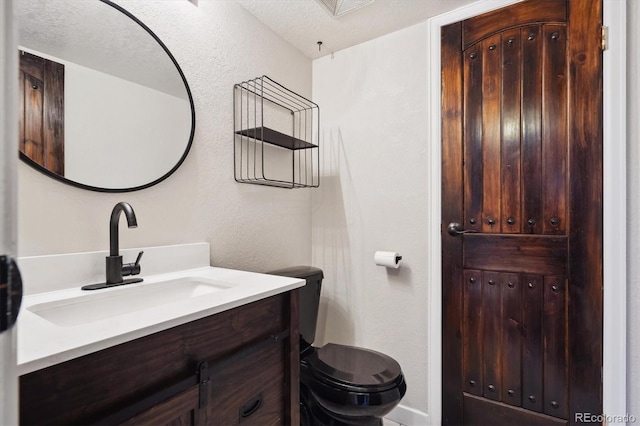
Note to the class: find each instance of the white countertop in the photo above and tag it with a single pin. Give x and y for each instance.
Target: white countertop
(43, 343)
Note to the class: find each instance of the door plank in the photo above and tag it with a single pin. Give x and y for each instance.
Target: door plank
(534, 254)
(554, 125)
(31, 105)
(53, 130)
(491, 91)
(472, 332)
(512, 339)
(21, 110)
(555, 348)
(452, 289)
(492, 335)
(511, 220)
(532, 345)
(585, 206)
(33, 98)
(473, 170)
(531, 130)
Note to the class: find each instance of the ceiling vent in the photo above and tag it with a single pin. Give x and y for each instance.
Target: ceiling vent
(337, 8)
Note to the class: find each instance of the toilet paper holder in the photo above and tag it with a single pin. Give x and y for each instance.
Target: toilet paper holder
(388, 259)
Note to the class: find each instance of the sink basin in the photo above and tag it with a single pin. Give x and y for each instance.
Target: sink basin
(125, 300)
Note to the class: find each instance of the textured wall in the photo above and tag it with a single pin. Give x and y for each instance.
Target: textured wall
(374, 193)
(633, 208)
(256, 228)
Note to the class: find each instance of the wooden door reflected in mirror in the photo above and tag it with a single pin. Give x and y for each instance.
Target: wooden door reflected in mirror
(41, 128)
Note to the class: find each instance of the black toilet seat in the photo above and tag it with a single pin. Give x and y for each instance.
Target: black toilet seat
(354, 369)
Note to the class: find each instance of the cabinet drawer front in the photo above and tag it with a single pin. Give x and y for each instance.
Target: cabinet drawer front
(250, 391)
(179, 410)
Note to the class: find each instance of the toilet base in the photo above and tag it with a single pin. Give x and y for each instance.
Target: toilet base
(313, 414)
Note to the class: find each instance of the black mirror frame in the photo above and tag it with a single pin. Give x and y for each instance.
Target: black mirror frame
(36, 166)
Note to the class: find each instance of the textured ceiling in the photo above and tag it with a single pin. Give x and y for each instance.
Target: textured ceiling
(304, 22)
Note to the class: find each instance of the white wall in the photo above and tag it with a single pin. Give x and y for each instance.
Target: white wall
(373, 196)
(217, 44)
(633, 208)
(120, 134)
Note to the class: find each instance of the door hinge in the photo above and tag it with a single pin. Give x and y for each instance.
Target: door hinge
(604, 34)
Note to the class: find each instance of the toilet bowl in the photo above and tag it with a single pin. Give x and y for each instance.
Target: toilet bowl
(340, 384)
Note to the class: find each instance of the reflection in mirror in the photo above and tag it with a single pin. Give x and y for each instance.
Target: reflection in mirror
(103, 104)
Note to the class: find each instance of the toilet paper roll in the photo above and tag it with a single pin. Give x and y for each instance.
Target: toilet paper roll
(389, 259)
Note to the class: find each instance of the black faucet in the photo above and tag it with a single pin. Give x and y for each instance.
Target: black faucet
(114, 266)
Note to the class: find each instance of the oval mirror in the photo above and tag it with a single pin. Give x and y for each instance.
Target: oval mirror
(103, 103)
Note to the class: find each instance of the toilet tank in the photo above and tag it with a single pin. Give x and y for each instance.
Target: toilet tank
(309, 297)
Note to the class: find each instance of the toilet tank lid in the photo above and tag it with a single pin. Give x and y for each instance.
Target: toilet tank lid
(308, 273)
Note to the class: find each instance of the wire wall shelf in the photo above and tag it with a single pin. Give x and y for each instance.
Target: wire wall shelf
(276, 136)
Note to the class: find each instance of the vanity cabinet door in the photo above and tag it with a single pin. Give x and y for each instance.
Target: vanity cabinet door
(248, 392)
(181, 410)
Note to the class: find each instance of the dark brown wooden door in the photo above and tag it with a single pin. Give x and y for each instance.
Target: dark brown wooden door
(41, 117)
(522, 214)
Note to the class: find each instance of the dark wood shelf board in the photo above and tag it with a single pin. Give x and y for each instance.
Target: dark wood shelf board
(274, 137)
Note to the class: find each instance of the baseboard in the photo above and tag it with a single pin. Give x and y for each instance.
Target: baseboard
(408, 416)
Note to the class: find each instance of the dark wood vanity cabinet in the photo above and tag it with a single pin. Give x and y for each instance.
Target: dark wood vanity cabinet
(237, 367)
